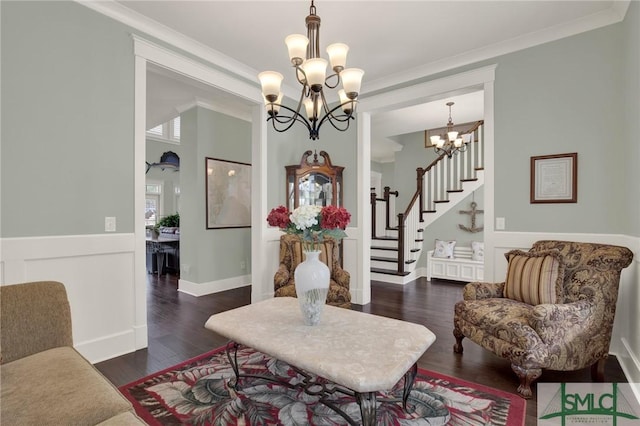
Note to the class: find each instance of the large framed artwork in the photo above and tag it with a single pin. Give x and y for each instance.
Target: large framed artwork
(554, 178)
(228, 194)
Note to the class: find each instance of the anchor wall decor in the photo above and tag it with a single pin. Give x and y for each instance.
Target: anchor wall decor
(473, 212)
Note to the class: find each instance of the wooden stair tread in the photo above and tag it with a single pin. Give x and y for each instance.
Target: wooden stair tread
(384, 259)
(441, 201)
(469, 180)
(385, 238)
(451, 191)
(384, 248)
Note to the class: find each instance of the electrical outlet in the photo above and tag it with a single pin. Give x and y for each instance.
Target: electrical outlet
(110, 224)
(500, 224)
(243, 265)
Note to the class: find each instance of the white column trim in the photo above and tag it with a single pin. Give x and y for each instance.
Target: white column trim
(361, 294)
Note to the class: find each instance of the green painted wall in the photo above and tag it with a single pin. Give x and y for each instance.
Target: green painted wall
(210, 254)
(388, 175)
(67, 120)
(630, 154)
(556, 98)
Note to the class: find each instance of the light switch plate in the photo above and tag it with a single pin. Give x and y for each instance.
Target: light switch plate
(500, 223)
(110, 224)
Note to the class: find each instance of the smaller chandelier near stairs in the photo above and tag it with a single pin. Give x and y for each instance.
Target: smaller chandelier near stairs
(311, 70)
(451, 142)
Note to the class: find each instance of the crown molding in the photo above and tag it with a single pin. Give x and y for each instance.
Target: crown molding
(612, 15)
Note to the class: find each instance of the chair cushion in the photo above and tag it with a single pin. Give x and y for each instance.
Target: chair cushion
(534, 277)
(504, 319)
(57, 387)
(444, 249)
(297, 254)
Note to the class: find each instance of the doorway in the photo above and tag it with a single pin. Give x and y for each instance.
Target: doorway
(185, 83)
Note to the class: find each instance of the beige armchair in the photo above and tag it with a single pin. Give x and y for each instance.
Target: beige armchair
(570, 333)
(291, 255)
(44, 379)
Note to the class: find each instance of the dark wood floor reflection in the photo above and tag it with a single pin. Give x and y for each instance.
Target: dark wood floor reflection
(176, 333)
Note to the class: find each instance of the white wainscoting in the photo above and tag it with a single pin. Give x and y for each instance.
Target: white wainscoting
(625, 343)
(98, 273)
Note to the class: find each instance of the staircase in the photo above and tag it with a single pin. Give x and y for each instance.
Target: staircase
(397, 241)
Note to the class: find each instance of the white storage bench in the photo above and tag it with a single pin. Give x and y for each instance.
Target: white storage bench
(460, 268)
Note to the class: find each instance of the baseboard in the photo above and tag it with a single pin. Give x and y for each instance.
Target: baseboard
(108, 347)
(141, 336)
(202, 289)
(630, 364)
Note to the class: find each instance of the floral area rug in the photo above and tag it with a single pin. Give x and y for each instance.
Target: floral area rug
(198, 392)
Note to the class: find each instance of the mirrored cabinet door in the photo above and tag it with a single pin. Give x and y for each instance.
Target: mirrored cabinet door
(314, 182)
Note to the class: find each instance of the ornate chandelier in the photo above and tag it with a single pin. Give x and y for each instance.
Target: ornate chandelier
(450, 143)
(311, 70)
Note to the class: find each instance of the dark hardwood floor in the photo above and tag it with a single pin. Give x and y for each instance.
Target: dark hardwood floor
(176, 333)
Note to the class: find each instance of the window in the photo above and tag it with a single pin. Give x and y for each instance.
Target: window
(166, 132)
(152, 204)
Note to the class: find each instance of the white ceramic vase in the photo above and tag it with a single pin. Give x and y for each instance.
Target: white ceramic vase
(312, 285)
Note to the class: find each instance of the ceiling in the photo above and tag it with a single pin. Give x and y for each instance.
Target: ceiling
(393, 41)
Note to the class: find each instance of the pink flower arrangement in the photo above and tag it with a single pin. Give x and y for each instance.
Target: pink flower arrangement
(312, 223)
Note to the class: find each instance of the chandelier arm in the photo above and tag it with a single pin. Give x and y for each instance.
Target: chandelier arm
(296, 113)
(329, 114)
(334, 119)
(302, 81)
(296, 116)
(337, 77)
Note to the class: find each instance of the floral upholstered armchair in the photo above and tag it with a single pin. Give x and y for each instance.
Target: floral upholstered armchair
(291, 254)
(554, 311)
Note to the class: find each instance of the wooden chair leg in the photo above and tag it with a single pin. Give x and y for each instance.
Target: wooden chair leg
(457, 347)
(597, 370)
(527, 376)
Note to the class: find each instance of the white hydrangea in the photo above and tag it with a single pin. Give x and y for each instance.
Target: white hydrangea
(305, 216)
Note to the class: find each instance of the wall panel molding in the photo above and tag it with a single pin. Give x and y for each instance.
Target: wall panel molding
(98, 274)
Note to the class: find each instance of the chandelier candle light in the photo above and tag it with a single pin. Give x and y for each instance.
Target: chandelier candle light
(453, 142)
(311, 70)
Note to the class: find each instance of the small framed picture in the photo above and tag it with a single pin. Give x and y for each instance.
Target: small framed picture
(554, 178)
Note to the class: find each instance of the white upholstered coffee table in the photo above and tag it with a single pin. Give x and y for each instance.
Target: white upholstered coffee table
(362, 352)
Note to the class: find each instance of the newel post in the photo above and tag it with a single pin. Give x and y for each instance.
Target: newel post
(373, 214)
(400, 243)
(419, 180)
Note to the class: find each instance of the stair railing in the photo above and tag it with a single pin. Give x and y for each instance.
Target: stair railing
(433, 184)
